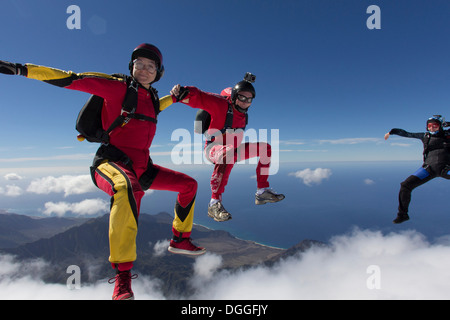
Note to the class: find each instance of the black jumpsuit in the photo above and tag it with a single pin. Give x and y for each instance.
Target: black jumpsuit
(436, 163)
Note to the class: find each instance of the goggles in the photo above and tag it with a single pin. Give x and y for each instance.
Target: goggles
(433, 125)
(139, 65)
(242, 98)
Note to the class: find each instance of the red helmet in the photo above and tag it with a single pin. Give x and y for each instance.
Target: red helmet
(226, 92)
(151, 52)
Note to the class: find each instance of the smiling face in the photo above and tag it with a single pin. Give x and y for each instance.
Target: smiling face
(144, 71)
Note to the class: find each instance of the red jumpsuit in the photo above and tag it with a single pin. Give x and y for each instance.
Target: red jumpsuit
(227, 149)
(120, 181)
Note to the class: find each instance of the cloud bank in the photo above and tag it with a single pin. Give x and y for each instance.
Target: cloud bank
(67, 184)
(87, 207)
(361, 265)
(11, 191)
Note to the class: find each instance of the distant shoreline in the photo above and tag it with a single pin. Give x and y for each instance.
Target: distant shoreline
(253, 241)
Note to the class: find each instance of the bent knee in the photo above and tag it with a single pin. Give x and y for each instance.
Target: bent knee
(411, 182)
(191, 184)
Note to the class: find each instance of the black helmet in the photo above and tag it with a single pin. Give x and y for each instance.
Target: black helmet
(151, 52)
(244, 85)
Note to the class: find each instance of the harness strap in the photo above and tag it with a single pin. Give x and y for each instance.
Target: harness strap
(228, 126)
(111, 153)
(129, 106)
(142, 117)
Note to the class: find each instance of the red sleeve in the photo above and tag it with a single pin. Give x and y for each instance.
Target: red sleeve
(105, 88)
(213, 103)
(100, 84)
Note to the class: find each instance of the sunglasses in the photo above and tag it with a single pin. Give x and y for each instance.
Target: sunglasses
(242, 98)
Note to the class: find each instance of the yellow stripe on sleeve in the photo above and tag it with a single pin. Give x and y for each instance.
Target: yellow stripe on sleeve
(43, 73)
(165, 102)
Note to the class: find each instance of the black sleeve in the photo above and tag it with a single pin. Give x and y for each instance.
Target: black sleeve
(406, 134)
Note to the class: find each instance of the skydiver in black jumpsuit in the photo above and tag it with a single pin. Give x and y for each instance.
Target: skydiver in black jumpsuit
(436, 155)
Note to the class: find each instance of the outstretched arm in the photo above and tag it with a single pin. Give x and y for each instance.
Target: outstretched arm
(196, 98)
(403, 133)
(51, 75)
(93, 82)
(58, 77)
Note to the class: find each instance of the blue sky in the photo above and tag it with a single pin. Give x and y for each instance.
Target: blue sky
(331, 86)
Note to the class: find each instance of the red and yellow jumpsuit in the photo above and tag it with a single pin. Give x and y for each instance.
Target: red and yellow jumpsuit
(115, 178)
(229, 149)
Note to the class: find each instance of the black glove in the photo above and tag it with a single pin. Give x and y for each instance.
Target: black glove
(12, 68)
(183, 93)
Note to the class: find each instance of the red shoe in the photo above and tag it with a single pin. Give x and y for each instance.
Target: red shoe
(122, 288)
(185, 246)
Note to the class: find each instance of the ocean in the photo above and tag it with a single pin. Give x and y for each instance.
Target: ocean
(356, 195)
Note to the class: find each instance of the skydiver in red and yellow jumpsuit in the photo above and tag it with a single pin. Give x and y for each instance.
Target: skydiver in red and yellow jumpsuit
(126, 180)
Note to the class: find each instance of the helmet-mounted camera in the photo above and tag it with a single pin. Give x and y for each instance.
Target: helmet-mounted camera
(249, 77)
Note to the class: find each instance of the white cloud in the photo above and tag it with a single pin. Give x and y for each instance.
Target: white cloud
(11, 191)
(351, 140)
(292, 142)
(206, 265)
(160, 248)
(311, 177)
(85, 207)
(406, 266)
(12, 176)
(397, 144)
(68, 184)
(369, 182)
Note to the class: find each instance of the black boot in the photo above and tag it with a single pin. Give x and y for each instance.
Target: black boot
(401, 217)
